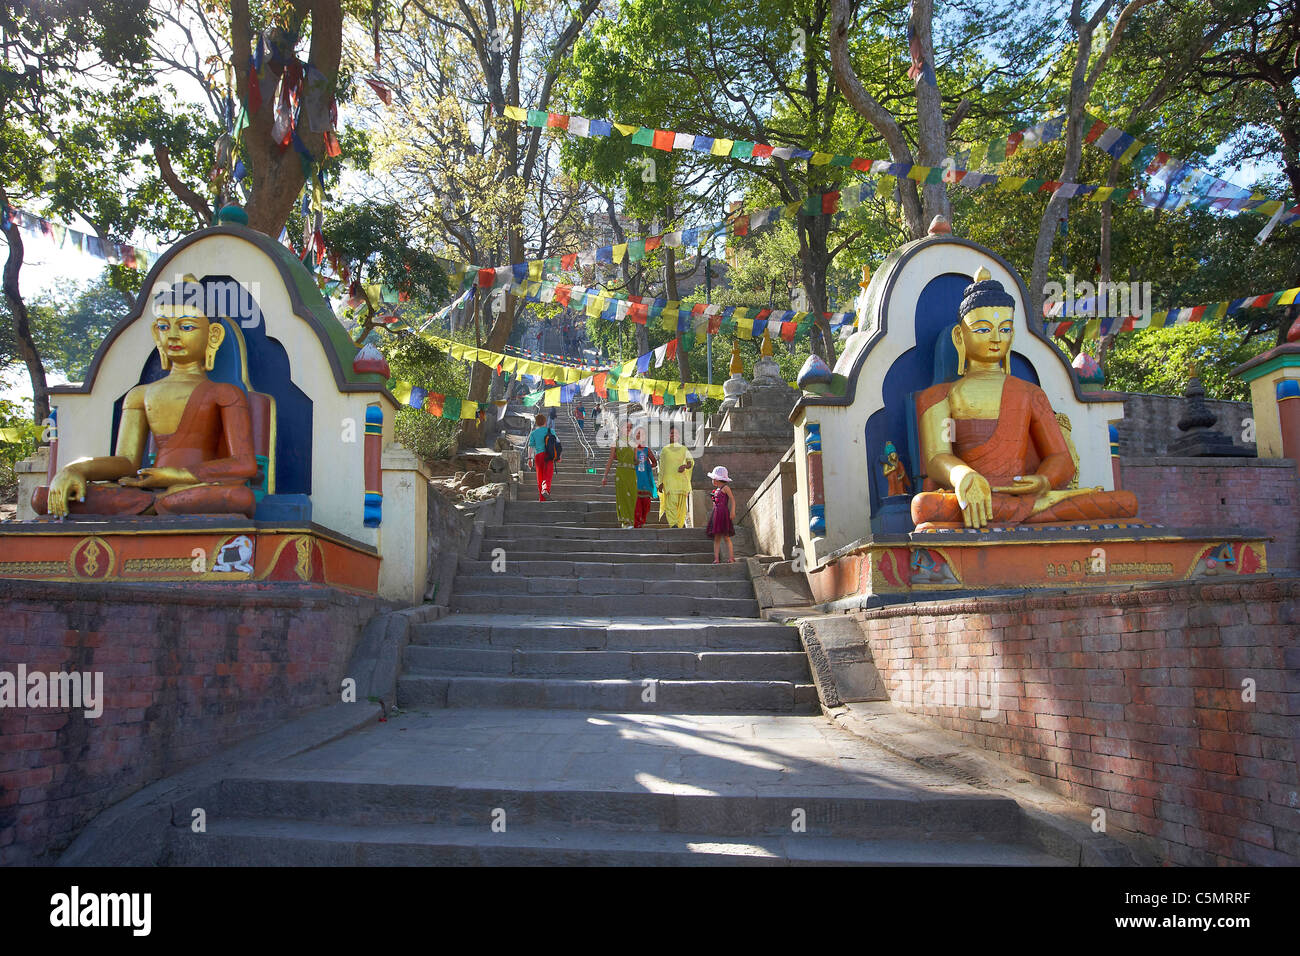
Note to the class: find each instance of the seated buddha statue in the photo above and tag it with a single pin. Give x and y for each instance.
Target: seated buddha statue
(991, 443)
(201, 428)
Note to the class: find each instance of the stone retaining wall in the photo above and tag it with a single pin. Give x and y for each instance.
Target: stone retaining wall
(187, 671)
(1150, 422)
(1128, 701)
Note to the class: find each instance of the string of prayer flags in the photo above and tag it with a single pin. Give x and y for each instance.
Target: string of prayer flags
(62, 237)
(1100, 326)
(437, 404)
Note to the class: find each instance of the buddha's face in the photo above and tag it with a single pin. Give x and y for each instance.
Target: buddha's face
(185, 336)
(986, 333)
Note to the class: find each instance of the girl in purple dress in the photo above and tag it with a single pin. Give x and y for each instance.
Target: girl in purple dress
(722, 521)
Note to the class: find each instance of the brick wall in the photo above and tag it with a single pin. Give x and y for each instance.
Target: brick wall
(187, 672)
(1222, 493)
(1130, 701)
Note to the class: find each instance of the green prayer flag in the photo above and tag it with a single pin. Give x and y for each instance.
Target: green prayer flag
(997, 151)
(741, 149)
(451, 407)
(644, 136)
(841, 160)
(934, 177)
(533, 399)
(537, 117)
(635, 250)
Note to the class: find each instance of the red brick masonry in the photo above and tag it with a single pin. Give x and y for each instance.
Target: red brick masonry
(1222, 493)
(187, 671)
(1129, 700)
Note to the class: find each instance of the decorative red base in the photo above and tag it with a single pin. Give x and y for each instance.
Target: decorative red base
(155, 549)
(964, 561)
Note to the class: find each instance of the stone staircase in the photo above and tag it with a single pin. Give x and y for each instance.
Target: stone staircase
(601, 695)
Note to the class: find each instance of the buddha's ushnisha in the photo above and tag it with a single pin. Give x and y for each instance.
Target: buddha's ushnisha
(990, 442)
(201, 428)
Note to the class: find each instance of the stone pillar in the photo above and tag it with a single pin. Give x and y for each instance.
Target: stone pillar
(403, 536)
(32, 473)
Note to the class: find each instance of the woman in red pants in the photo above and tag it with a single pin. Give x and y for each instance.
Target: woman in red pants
(537, 446)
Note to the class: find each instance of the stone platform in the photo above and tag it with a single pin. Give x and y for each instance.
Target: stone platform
(207, 549)
(888, 568)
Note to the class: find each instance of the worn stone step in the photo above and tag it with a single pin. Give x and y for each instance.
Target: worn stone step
(242, 842)
(609, 633)
(871, 814)
(507, 583)
(619, 542)
(611, 555)
(422, 660)
(416, 691)
(646, 570)
(613, 604)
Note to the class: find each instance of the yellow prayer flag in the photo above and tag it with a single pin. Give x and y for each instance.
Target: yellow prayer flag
(595, 306)
(722, 147)
(509, 364)
(516, 113)
(1133, 150)
(468, 409)
(572, 375)
(535, 269)
(1270, 207)
(552, 398)
(744, 328)
(821, 159)
(1011, 184)
(553, 372)
(625, 129)
(791, 210)
(620, 250)
(1092, 329)
(402, 392)
(1288, 296)
(886, 185)
(918, 173)
(1102, 194)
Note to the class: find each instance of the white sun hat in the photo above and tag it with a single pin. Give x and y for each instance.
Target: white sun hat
(720, 473)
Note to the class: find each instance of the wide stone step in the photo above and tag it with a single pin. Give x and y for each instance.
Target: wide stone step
(618, 541)
(242, 842)
(559, 568)
(518, 584)
(521, 530)
(872, 813)
(612, 555)
(645, 695)
(627, 665)
(539, 632)
(614, 604)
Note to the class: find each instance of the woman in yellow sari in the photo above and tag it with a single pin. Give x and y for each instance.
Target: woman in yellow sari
(625, 478)
(675, 464)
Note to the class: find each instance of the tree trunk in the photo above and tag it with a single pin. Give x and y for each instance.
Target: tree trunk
(670, 293)
(277, 174)
(22, 329)
(932, 130)
(814, 260)
(879, 117)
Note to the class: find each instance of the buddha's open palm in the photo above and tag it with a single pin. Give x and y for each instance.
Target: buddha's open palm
(976, 499)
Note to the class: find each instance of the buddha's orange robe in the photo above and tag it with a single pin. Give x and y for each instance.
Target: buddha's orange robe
(1025, 439)
(213, 441)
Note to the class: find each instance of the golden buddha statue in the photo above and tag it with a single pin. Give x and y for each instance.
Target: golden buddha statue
(991, 442)
(201, 428)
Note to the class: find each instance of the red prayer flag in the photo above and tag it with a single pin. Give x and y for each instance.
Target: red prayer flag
(861, 164)
(653, 243)
(382, 90)
(1050, 186)
(433, 403)
(663, 139)
(557, 120)
(762, 150)
(637, 312)
(671, 351)
(486, 277)
(569, 262)
(1097, 129)
(1197, 313)
(1013, 143)
(830, 202)
(332, 147)
(656, 399)
(1158, 162)
(598, 383)
(788, 330)
(741, 225)
(562, 293)
(715, 323)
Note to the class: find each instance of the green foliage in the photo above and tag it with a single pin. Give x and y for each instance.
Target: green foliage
(1160, 360)
(19, 436)
(67, 325)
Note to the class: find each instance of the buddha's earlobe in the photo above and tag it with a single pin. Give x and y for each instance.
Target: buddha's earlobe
(216, 335)
(960, 344)
(163, 360)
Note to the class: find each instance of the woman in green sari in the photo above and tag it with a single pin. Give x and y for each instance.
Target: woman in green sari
(624, 454)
